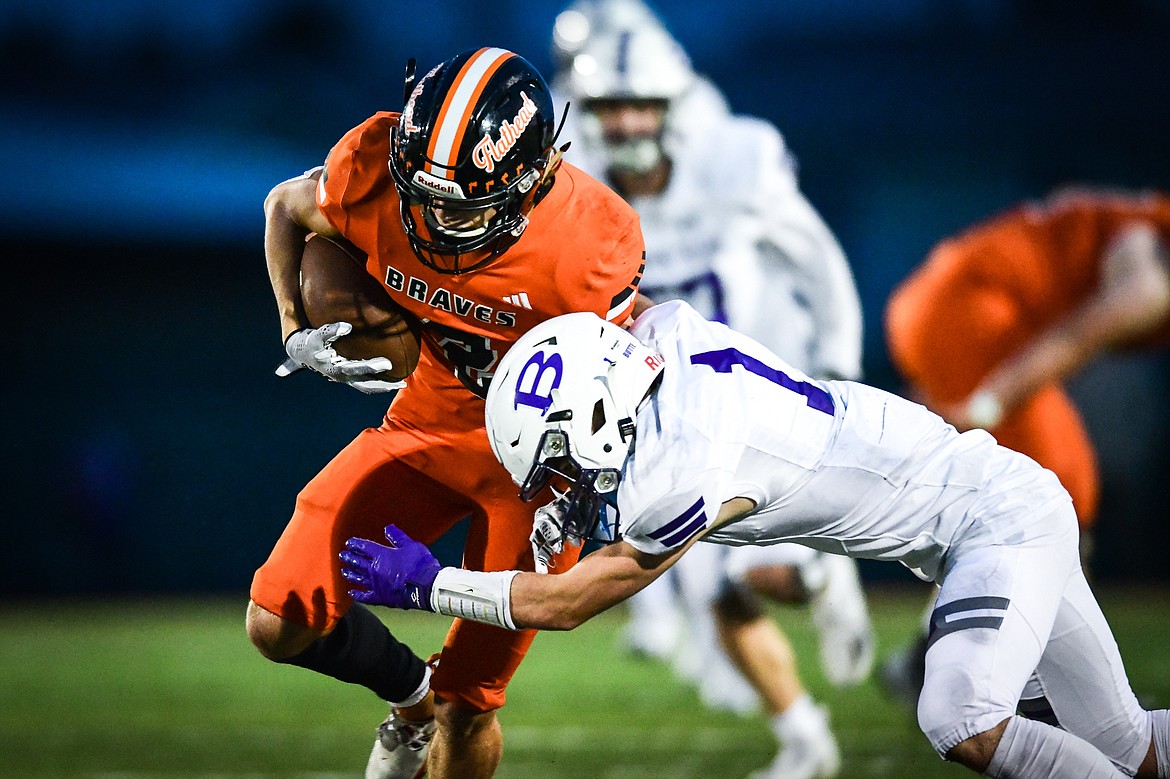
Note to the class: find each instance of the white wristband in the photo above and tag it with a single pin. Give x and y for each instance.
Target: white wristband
(475, 595)
(985, 410)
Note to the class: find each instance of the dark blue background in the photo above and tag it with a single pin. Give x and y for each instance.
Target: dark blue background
(148, 446)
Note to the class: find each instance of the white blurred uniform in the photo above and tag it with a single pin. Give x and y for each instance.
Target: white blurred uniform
(733, 235)
(851, 469)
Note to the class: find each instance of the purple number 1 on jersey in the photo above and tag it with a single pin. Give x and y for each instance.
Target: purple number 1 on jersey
(723, 360)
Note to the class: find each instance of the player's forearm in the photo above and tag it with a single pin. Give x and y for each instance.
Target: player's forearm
(515, 600)
(284, 241)
(1135, 283)
(553, 602)
(1133, 299)
(290, 215)
(1051, 357)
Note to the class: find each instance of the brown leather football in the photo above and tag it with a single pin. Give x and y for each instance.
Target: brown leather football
(335, 287)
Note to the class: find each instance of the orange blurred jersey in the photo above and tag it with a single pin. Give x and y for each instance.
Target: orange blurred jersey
(983, 294)
(1024, 269)
(581, 251)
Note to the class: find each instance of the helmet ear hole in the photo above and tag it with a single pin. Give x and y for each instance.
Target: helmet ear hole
(598, 416)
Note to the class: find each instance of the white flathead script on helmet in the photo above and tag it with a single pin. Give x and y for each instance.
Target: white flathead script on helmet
(408, 125)
(487, 152)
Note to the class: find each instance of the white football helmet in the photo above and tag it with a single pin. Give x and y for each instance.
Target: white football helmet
(630, 63)
(584, 19)
(624, 57)
(561, 412)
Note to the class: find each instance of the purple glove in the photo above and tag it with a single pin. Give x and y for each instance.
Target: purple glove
(399, 576)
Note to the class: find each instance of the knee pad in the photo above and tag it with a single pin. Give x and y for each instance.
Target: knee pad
(738, 603)
(949, 711)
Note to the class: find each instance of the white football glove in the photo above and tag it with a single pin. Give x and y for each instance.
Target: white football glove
(548, 534)
(312, 348)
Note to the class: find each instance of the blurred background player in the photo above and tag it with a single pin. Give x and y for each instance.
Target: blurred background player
(989, 327)
(728, 230)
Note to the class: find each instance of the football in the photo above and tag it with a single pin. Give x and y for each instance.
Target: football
(335, 287)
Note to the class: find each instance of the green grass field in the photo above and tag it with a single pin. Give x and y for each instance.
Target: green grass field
(171, 688)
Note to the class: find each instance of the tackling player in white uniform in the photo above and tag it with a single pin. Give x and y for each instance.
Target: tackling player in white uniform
(682, 430)
(729, 231)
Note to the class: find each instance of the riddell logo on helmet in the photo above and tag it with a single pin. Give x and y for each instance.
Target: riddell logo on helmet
(439, 186)
(487, 152)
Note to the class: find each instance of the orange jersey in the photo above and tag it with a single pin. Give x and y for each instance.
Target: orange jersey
(986, 292)
(581, 251)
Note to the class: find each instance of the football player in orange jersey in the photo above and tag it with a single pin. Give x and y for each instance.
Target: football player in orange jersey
(473, 225)
(986, 331)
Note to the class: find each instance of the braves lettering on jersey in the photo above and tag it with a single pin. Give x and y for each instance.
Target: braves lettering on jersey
(582, 251)
(838, 466)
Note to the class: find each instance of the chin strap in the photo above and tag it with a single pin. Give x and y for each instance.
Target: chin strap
(555, 158)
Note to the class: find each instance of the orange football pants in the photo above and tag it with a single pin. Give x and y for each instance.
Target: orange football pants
(424, 481)
(946, 330)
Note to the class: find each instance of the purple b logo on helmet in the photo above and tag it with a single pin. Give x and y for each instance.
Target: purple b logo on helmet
(536, 381)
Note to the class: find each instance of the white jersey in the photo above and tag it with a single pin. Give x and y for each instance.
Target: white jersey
(733, 235)
(838, 466)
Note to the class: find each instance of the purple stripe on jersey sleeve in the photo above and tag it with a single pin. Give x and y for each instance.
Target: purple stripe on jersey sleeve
(684, 535)
(683, 520)
(723, 360)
